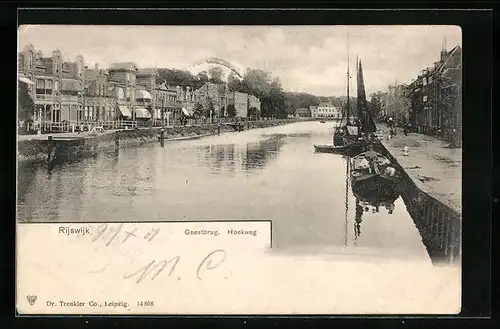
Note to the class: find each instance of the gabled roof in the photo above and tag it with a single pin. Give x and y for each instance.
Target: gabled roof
(449, 55)
(127, 66)
(148, 71)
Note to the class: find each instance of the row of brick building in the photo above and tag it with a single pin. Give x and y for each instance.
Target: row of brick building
(431, 103)
(70, 91)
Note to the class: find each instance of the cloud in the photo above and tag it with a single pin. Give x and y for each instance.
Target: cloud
(306, 58)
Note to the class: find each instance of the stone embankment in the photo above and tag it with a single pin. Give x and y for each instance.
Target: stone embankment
(431, 189)
(36, 149)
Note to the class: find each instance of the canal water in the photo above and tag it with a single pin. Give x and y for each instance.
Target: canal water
(270, 173)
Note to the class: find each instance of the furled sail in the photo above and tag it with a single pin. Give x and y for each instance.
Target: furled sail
(365, 118)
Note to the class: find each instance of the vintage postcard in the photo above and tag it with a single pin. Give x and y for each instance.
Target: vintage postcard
(239, 170)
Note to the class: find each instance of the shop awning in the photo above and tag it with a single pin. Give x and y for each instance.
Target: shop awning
(26, 80)
(187, 112)
(125, 111)
(142, 94)
(142, 114)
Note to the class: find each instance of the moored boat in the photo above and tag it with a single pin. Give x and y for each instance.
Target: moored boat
(373, 176)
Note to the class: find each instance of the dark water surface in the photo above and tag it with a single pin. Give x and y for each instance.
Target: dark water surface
(270, 173)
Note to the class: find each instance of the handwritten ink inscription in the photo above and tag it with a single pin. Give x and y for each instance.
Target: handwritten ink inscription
(117, 235)
(111, 233)
(153, 269)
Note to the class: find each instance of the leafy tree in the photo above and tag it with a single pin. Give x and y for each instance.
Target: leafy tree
(252, 112)
(375, 105)
(198, 110)
(202, 76)
(176, 77)
(216, 74)
(233, 82)
(210, 108)
(26, 105)
(231, 111)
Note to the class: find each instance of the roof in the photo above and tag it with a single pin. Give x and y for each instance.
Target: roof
(126, 66)
(71, 84)
(449, 55)
(325, 104)
(90, 74)
(148, 71)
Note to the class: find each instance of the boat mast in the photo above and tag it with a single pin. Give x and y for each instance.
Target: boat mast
(348, 80)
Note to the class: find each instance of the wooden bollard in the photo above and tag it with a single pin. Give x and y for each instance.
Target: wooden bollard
(162, 137)
(50, 152)
(117, 142)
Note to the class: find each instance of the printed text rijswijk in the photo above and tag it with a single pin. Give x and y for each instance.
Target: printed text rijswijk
(74, 231)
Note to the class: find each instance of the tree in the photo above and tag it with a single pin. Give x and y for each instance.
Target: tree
(176, 77)
(375, 105)
(233, 82)
(210, 108)
(252, 112)
(216, 74)
(198, 110)
(202, 76)
(231, 111)
(26, 105)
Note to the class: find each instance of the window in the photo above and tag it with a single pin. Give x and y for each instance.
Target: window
(425, 98)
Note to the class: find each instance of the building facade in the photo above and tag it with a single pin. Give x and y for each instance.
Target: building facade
(397, 104)
(240, 102)
(122, 76)
(100, 98)
(436, 96)
(57, 86)
(314, 111)
(254, 102)
(212, 95)
(326, 110)
(167, 104)
(303, 112)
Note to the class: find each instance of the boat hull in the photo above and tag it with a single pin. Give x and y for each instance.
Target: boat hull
(344, 150)
(377, 189)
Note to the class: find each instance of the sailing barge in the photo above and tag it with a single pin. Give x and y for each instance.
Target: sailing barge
(353, 137)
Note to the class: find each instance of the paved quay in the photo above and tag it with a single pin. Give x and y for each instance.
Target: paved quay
(434, 167)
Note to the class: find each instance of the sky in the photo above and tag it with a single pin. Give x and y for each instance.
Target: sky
(310, 59)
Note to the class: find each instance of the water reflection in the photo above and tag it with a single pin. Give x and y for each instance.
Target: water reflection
(250, 157)
(262, 174)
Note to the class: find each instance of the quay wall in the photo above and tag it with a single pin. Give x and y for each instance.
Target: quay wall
(438, 224)
(36, 151)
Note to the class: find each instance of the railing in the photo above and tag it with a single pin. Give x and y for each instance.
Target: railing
(69, 98)
(78, 126)
(83, 126)
(44, 97)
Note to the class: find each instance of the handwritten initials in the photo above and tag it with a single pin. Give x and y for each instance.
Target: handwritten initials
(149, 268)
